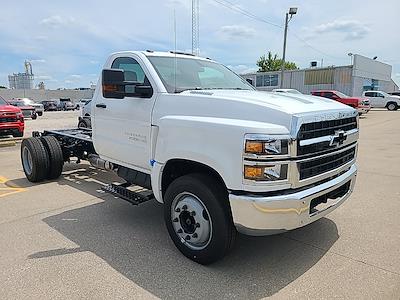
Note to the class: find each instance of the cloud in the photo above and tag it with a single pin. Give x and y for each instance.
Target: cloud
(236, 32)
(41, 61)
(242, 69)
(351, 29)
(57, 21)
(43, 77)
(75, 76)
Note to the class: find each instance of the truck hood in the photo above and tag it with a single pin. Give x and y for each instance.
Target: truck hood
(9, 109)
(257, 106)
(288, 103)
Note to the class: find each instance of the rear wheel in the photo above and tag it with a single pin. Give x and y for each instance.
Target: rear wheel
(40, 113)
(84, 123)
(56, 158)
(34, 116)
(198, 218)
(391, 106)
(35, 159)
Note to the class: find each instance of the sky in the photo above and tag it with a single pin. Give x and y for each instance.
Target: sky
(68, 42)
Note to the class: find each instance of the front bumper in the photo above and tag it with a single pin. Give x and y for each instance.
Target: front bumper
(257, 215)
(363, 109)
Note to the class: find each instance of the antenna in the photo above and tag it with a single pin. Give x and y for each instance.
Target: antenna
(175, 60)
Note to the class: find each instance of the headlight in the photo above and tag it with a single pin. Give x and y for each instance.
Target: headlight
(270, 146)
(272, 172)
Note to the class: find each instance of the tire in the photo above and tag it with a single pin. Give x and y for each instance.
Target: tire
(391, 106)
(35, 159)
(18, 134)
(40, 114)
(34, 116)
(84, 123)
(203, 237)
(55, 154)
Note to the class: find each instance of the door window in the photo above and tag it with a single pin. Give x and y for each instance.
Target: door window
(132, 72)
(370, 94)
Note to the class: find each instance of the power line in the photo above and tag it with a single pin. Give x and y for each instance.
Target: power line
(232, 6)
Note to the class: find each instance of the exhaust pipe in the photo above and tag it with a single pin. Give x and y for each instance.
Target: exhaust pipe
(99, 163)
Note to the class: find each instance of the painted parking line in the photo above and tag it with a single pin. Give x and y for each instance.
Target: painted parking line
(7, 190)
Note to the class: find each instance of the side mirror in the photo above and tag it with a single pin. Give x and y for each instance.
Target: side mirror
(113, 83)
(114, 86)
(145, 91)
(249, 81)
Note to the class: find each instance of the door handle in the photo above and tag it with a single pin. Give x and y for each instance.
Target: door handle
(101, 105)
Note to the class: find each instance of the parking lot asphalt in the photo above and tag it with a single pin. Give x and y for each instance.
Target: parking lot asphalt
(66, 239)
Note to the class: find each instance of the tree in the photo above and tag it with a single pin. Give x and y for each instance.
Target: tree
(273, 63)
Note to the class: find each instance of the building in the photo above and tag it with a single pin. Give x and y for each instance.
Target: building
(364, 74)
(23, 81)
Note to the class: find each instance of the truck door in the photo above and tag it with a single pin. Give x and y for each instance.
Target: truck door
(374, 99)
(122, 126)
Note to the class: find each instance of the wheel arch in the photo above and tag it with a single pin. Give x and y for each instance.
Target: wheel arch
(177, 167)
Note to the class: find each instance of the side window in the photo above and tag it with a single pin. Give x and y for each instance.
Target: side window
(133, 71)
(369, 94)
(328, 95)
(379, 95)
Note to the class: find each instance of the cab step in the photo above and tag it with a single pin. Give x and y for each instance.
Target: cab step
(133, 197)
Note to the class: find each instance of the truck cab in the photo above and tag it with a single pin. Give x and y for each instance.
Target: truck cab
(219, 155)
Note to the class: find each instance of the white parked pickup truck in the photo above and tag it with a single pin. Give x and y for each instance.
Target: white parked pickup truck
(221, 156)
(382, 100)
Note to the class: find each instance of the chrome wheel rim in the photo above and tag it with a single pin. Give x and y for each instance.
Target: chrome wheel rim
(27, 160)
(191, 221)
(391, 106)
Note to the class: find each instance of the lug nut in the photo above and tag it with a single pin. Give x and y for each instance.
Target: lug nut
(180, 230)
(184, 207)
(194, 235)
(175, 220)
(192, 213)
(187, 238)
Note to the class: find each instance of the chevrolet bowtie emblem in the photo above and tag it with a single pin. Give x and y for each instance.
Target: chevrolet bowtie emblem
(338, 138)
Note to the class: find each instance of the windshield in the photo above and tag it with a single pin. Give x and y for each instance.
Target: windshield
(2, 101)
(27, 101)
(294, 92)
(341, 95)
(196, 74)
(17, 103)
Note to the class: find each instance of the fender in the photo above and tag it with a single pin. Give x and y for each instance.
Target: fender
(214, 142)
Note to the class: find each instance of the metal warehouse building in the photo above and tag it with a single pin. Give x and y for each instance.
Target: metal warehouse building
(363, 74)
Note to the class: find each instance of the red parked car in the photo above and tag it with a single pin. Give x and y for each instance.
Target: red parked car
(27, 110)
(361, 104)
(11, 120)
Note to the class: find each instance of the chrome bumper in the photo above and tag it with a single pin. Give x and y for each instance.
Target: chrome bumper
(255, 215)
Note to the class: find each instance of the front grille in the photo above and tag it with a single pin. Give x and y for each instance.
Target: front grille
(8, 119)
(325, 164)
(320, 129)
(324, 128)
(27, 113)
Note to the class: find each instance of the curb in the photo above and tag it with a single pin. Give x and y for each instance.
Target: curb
(7, 144)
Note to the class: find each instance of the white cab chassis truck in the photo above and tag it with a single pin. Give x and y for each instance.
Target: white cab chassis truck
(221, 156)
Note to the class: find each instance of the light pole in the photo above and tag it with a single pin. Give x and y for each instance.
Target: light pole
(292, 11)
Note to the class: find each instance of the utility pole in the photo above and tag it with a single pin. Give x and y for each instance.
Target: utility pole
(292, 11)
(195, 26)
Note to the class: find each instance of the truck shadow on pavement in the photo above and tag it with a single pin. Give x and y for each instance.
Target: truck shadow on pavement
(133, 240)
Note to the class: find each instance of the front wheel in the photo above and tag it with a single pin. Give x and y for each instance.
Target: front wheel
(40, 113)
(198, 218)
(392, 106)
